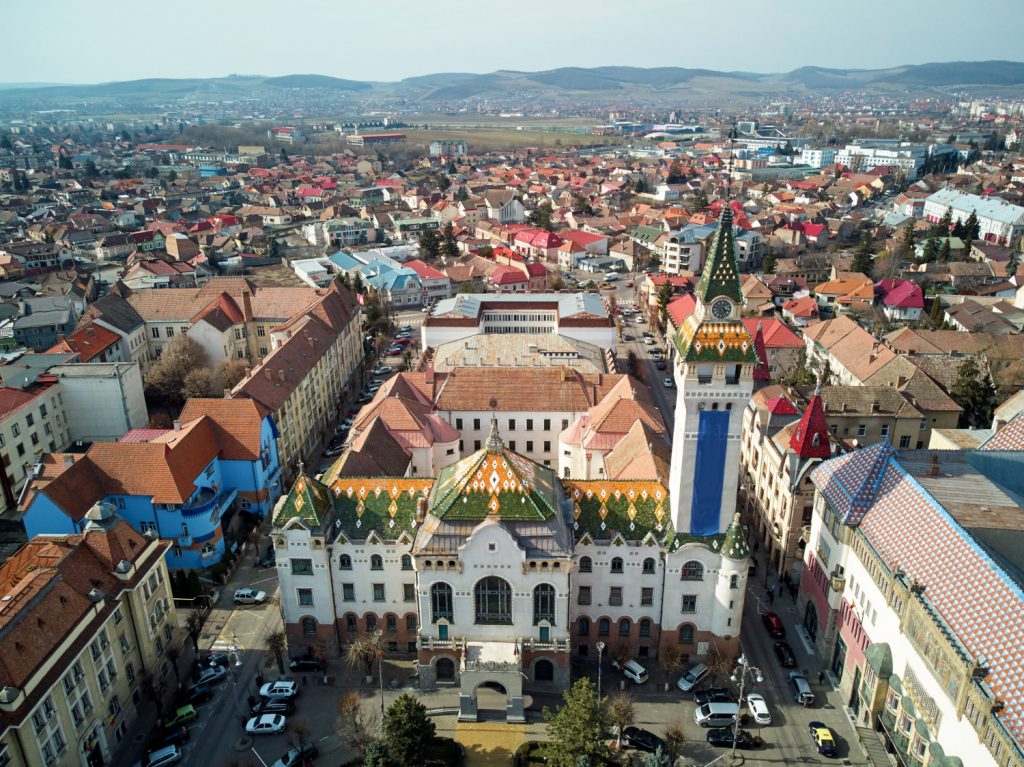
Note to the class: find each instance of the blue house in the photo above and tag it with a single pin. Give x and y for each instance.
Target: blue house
(186, 484)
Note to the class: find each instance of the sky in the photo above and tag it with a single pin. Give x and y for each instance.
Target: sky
(80, 41)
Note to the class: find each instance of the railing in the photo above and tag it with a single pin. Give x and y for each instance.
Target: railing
(491, 665)
(897, 739)
(556, 645)
(203, 504)
(433, 643)
(732, 380)
(703, 379)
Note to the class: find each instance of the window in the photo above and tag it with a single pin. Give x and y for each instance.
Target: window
(493, 600)
(885, 430)
(15, 429)
(183, 329)
(458, 424)
(476, 424)
(512, 445)
(511, 424)
(302, 567)
(547, 446)
(155, 332)
(624, 627)
(544, 604)
(905, 441)
(689, 603)
(406, 562)
(616, 564)
(583, 598)
(351, 625)
(583, 627)
(734, 581)
(529, 424)
(392, 623)
(378, 592)
(615, 595)
(376, 562)
(371, 623)
(408, 592)
(305, 597)
(344, 562)
(647, 595)
(476, 445)
(441, 602)
(603, 627)
(123, 644)
(586, 565)
(645, 627)
(169, 332)
(649, 566)
(30, 420)
(547, 424)
(692, 571)
(410, 622)
(686, 634)
(862, 429)
(261, 331)
(529, 446)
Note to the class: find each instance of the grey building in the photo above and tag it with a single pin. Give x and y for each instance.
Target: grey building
(42, 321)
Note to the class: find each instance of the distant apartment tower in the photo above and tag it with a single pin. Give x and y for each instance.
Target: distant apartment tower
(907, 157)
(447, 148)
(818, 158)
(375, 139)
(288, 135)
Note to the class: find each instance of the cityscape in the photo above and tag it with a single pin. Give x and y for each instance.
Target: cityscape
(532, 401)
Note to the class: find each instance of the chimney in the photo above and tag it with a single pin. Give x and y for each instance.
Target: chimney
(901, 381)
(421, 510)
(69, 461)
(246, 305)
(268, 374)
(280, 375)
(177, 425)
(90, 330)
(227, 394)
(933, 470)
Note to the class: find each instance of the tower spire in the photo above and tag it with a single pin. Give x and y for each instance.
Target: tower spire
(494, 442)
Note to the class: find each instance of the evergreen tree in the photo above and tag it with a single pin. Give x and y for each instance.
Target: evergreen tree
(172, 176)
(675, 173)
(945, 251)
(641, 186)
(449, 245)
(577, 729)
(931, 251)
(935, 313)
(907, 240)
(5, 142)
(541, 216)
(768, 264)
(64, 163)
(972, 229)
(974, 391)
(430, 246)
(958, 230)
(946, 222)
(863, 258)
(284, 155)
(408, 731)
(700, 202)
(461, 194)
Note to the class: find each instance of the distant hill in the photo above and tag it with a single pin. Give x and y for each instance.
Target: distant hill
(613, 82)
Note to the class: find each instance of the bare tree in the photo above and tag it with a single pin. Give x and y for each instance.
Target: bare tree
(675, 739)
(301, 728)
(153, 688)
(319, 653)
(622, 713)
(194, 628)
(718, 665)
(672, 659)
(353, 724)
(173, 653)
(276, 643)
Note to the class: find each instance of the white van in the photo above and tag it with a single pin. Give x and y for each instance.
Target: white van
(716, 714)
(634, 672)
(611, 276)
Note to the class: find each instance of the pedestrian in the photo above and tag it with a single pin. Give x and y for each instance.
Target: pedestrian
(259, 678)
(821, 677)
(771, 597)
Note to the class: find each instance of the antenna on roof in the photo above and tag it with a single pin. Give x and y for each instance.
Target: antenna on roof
(732, 153)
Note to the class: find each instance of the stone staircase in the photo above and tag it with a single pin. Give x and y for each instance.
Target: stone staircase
(873, 748)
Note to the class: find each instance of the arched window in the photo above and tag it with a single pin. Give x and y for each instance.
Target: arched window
(645, 627)
(309, 627)
(624, 626)
(544, 604)
(543, 671)
(351, 624)
(692, 571)
(686, 633)
(586, 565)
(445, 669)
(376, 562)
(392, 623)
(616, 564)
(371, 623)
(649, 566)
(493, 600)
(441, 602)
(734, 581)
(603, 627)
(344, 562)
(584, 627)
(410, 622)
(406, 562)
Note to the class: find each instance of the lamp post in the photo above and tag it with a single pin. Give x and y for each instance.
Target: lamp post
(378, 635)
(600, 659)
(235, 662)
(740, 675)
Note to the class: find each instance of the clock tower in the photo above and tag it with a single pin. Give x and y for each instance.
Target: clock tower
(713, 370)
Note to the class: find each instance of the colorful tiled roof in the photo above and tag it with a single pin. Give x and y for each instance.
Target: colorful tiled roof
(494, 482)
(308, 501)
(735, 544)
(850, 482)
(720, 276)
(385, 505)
(1010, 437)
(603, 508)
(714, 342)
(811, 436)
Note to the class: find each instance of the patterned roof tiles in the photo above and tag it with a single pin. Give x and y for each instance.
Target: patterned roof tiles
(603, 508)
(1010, 437)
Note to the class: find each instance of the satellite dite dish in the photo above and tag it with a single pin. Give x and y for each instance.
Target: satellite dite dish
(493, 403)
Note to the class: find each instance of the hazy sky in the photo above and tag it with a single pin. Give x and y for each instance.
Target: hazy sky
(84, 41)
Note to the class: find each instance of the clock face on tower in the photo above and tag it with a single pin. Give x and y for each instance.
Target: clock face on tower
(721, 309)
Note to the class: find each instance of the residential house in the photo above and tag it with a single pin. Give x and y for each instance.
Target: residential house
(435, 283)
(42, 321)
(504, 207)
(901, 300)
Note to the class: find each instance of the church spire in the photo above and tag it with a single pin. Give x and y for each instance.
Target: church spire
(762, 374)
(811, 437)
(721, 276)
(494, 442)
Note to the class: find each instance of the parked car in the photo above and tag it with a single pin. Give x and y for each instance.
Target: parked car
(216, 658)
(660, 364)
(802, 692)
(648, 340)
(641, 739)
(265, 724)
(758, 709)
(194, 695)
(267, 560)
(383, 370)
(821, 737)
(785, 654)
(167, 736)
(283, 706)
(307, 663)
(773, 623)
(628, 337)
(723, 737)
(183, 715)
(692, 677)
(668, 383)
(297, 756)
(282, 688)
(714, 695)
(247, 596)
(213, 675)
(162, 757)
(363, 399)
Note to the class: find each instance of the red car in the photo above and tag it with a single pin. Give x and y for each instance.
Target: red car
(773, 623)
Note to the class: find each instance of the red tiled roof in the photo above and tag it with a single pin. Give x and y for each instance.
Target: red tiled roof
(811, 437)
(777, 334)
(90, 341)
(11, 399)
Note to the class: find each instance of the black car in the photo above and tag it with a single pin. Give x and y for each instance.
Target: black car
(194, 695)
(280, 706)
(785, 654)
(306, 663)
(723, 736)
(714, 695)
(162, 737)
(642, 740)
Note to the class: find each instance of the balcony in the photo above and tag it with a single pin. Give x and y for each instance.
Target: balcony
(184, 541)
(556, 645)
(703, 380)
(206, 501)
(732, 380)
(432, 643)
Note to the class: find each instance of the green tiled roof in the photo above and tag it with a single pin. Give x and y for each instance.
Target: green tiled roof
(604, 508)
(495, 482)
(713, 542)
(721, 276)
(735, 544)
(713, 341)
(386, 505)
(308, 501)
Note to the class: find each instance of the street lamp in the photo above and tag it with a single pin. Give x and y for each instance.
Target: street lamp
(740, 675)
(235, 662)
(378, 635)
(600, 659)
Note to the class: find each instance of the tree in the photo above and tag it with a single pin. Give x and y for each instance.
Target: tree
(700, 202)
(197, 382)
(641, 186)
(672, 659)
(1011, 267)
(972, 229)
(581, 204)
(173, 653)
(768, 263)
(461, 194)
(5, 142)
(622, 713)
(675, 173)
(945, 251)
(540, 217)
(366, 650)
(931, 250)
(165, 379)
(89, 167)
(935, 312)
(408, 731)
(352, 724)
(429, 245)
(577, 728)
(64, 163)
(153, 688)
(284, 155)
(449, 245)
(469, 286)
(194, 629)
(718, 665)
(863, 258)
(172, 176)
(276, 643)
(974, 391)
(675, 739)
(665, 293)
(376, 755)
(946, 222)
(228, 373)
(907, 240)
(657, 759)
